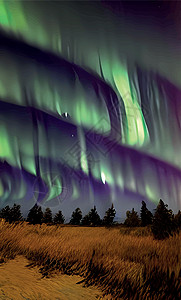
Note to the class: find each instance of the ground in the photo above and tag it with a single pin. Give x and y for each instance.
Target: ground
(19, 281)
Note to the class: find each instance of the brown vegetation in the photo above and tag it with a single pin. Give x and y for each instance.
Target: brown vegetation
(19, 281)
(129, 264)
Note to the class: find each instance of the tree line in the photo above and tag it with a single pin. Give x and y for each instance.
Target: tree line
(163, 222)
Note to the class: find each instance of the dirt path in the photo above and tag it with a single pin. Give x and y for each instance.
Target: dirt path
(17, 282)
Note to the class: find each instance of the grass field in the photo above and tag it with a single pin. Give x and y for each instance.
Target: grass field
(126, 263)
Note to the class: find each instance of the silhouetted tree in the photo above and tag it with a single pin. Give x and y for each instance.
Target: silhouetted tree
(76, 217)
(5, 213)
(47, 216)
(35, 215)
(146, 215)
(15, 213)
(132, 219)
(109, 216)
(177, 220)
(163, 224)
(59, 218)
(92, 218)
(85, 220)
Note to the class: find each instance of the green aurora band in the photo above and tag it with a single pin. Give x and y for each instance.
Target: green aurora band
(49, 108)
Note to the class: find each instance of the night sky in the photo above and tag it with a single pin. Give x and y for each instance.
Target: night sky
(90, 104)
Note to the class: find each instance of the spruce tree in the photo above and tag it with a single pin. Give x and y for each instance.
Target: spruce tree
(177, 220)
(5, 213)
(47, 216)
(35, 215)
(15, 213)
(109, 216)
(132, 219)
(76, 217)
(163, 224)
(59, 218)
(92, 218)
(85, 220)
(146, 215)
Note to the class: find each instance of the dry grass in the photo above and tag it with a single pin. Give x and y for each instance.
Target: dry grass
(127, 263)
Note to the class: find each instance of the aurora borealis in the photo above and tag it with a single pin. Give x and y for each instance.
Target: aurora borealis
(90, 104)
